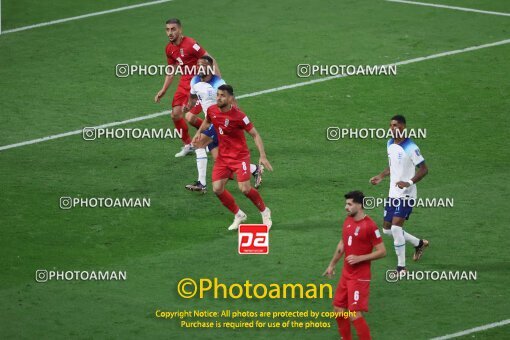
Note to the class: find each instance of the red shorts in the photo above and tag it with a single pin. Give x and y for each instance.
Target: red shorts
(225, 169)
(352, 294)
(196, 109)
(181, 95)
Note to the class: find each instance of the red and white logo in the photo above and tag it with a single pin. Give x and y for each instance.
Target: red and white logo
(253, 239)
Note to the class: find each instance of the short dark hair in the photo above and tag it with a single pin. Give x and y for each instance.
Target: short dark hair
(174, 21)
(356, 196)
(208, 59)
(228, 88)
(399, 118)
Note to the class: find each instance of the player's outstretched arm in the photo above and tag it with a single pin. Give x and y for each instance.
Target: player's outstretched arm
(330, 271)
(377, 179)
(260, 145)
(380, 251)
(166, 85)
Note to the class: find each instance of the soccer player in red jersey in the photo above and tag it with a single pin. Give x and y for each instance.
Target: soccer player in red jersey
(182, 52)
(233, 155)
(360, 236)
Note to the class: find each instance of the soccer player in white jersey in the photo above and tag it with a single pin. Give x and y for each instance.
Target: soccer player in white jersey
(204, 87)
(404, 158)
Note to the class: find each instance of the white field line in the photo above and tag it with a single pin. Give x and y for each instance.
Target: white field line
(474, 330)
(253, 94)
(450, 7)
(120, 9)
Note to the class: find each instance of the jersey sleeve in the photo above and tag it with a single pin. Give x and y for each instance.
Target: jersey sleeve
(198, 51)
(247, 125)
(416, 156)
(374, 234)
(217, 82)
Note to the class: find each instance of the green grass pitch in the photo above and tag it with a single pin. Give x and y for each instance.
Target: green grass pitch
(61, 78)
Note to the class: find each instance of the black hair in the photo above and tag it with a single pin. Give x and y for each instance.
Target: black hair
(208, 58)
(174, 21)
(356, 196)
(228, 88)
(399, 118)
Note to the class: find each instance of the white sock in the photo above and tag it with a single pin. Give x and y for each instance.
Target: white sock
(240, 214)
(387, 231)
(253, 167)
(411, 239)
(201, 165)
(400, 244)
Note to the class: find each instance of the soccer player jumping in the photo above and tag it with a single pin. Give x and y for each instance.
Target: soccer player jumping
(404, 157)
(360, 236)
(181, 52)
(233, 156)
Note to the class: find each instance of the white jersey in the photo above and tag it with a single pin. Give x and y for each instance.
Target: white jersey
(206, 91)
(403, 159)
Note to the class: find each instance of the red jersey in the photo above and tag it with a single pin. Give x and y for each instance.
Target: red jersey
(359, 238)
(230, 127)
(186, 54)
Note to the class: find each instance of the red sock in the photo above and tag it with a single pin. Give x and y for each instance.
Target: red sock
(362, 329)
(255, 197)
(228, 201)
(344, 328)
(181, 125)
(197, 123)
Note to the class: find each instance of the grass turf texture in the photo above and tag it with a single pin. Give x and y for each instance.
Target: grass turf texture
(61, 78)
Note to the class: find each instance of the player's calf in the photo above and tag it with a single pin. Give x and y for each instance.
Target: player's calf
(344, 324)
(255, 197)
(181, 125)
(361, 326)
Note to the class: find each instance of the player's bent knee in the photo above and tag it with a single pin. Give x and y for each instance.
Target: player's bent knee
(355, 315)
(176, 112)
(218, 187)
(245, 187)
(339, 309)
